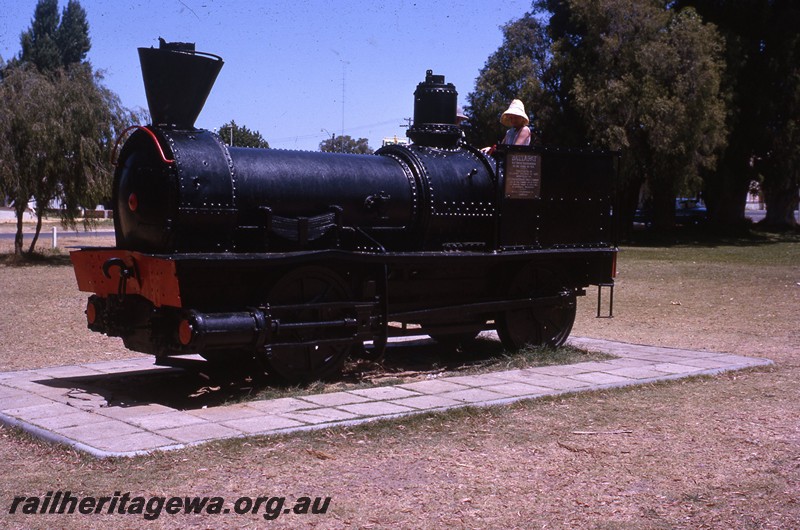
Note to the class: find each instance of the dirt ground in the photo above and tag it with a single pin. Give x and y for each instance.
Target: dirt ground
(715, 452)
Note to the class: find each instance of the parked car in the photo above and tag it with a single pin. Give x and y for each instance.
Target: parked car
(690, 212)
(687, 212)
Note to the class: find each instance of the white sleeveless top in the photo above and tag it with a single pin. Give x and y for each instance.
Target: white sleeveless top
(511, 137)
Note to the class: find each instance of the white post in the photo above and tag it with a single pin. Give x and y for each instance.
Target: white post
(55, 237)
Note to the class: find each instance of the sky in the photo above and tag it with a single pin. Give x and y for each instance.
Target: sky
(297, 71)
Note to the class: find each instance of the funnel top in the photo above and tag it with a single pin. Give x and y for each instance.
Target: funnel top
(435, 104)
(177, 81)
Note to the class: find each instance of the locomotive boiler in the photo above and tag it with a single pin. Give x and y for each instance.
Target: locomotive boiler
(296, 260)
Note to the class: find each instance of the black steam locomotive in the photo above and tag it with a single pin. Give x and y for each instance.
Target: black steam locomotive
(299, 259)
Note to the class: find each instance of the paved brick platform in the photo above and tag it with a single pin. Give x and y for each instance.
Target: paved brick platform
(64, 404)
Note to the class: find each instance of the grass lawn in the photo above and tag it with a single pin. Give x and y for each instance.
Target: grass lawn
(711, 452)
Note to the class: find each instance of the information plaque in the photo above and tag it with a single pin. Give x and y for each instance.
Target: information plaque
(523, 176)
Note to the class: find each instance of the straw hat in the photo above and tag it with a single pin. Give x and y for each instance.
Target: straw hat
(515, 109)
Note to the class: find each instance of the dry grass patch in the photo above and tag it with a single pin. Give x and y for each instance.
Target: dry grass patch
(710, 452)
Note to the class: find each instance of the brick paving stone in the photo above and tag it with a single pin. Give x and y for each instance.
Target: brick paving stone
(22, 400)
(262, 424)
(635, 372)
(473, 395)
(628, 363)
(6, 391)
(600, 378)
(433, 386)
(165, 420)
(94, 431)
(672, 368)
(30, 385)
(384, 393)
(20, 375)
(125, 365)
(59, 372)
(198, 432)
(321, 415)
(276, 406)
(675, 352)
(130, 443)
(375, 408)
(227, 412)
(705, 363)
(699, 354)
(593, 366)
(126, 413)
(518, 389)
(660, 358)
(547, 381)
(335, 399)
(737, 360)
(55, 393)
(473, 380)
(48, 410)
(78, 417)
(427, 402)
(557, 370)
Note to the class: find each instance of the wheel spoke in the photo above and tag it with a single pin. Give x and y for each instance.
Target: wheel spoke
(539, 326)
(304, 363)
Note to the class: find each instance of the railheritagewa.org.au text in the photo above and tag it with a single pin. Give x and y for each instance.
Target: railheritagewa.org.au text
(153, 507)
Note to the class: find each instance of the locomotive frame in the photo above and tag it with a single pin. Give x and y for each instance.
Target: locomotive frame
(297, 260)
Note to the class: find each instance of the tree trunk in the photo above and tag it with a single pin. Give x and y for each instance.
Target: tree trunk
(725, 192)
(20, 211)
(728, 209)
(781, 205)
(627, 199)
(39, 214)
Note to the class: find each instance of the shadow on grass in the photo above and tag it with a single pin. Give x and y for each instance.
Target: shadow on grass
(36, 259)
(209, 386)
(710, 236)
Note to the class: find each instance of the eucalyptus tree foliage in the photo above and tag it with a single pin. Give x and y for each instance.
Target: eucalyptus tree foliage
(630, 75)
(58, 123)
(57, 132)
(27, 125)
(646, 81)
(762, 52)
(345, 144)
(517, 70)
(240, 136)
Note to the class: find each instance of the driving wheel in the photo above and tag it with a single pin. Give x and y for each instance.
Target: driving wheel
(302, 355)
(548, 321)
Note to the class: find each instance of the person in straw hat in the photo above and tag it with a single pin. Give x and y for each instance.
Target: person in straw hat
(515, 117)
(519, 132)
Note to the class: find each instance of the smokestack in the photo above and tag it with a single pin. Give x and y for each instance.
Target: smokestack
(177, 81)
(435, 105)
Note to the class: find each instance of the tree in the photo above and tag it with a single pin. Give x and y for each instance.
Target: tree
(240, 136)
(780, 163)
(24, 93)
(517, 70)
(763, 57)
(58, 123)
(72, 35)
(39, 46)
(56, 138)
(345, 144)
(644, 80)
